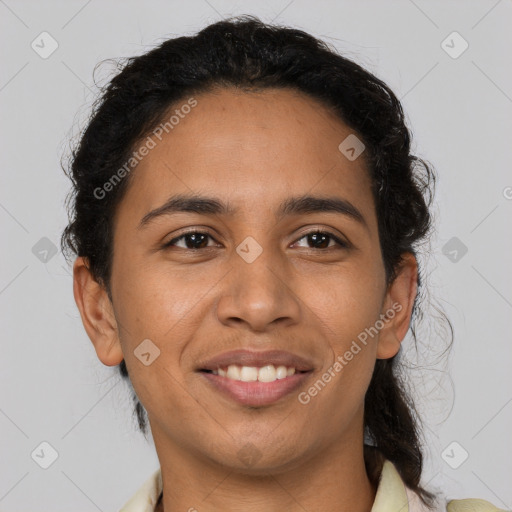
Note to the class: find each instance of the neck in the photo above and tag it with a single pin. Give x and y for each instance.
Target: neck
(334, 480)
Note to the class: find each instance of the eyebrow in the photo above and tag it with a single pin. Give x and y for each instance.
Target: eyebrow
(301, 205)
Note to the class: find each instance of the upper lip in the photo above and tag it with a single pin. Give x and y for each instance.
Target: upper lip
(251, 358)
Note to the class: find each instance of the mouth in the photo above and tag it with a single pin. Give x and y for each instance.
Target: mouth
(256, 378)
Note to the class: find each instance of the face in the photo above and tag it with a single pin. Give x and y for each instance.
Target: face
(251, 270)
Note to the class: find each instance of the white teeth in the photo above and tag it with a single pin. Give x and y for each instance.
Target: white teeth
(268, 373)
(249, 374)
(233, 372)
(281, 372)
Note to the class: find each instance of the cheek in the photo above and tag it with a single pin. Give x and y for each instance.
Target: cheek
(346, 302)
(347, 309)
(341, 386)
(155, 303)
(162, 308)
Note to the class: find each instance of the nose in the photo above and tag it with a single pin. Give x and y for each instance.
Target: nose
(258, 295)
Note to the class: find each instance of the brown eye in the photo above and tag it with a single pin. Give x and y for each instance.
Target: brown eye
(321, 240)
(193, 240)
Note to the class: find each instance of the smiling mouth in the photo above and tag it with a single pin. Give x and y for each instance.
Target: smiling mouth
(255, 386)
(255, 378)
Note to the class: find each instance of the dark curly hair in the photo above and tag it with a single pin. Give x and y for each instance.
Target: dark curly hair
(247, 54)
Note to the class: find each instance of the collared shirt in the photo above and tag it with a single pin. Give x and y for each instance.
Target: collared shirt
(392, 496)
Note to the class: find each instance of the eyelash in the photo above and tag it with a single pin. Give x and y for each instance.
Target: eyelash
(341, 244)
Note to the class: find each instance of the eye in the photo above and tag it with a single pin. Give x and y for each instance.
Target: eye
(192, 240)
(321, 240)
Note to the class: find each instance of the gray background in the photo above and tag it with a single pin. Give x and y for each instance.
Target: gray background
(52, 386)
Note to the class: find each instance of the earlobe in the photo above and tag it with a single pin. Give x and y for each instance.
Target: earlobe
(397, 307)
(97, 314)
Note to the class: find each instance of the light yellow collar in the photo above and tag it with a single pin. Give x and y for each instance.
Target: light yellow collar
(391, 495)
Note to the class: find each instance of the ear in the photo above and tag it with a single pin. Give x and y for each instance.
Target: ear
(397, 307)
(97, 314)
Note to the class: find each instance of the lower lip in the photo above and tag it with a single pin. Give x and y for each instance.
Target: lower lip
(256, 393)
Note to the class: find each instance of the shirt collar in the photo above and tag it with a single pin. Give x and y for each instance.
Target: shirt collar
(145, 499)
(391, 493)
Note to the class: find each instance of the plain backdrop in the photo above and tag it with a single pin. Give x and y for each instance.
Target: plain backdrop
(458, 102)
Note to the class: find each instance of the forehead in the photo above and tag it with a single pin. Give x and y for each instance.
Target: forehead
(248, 148)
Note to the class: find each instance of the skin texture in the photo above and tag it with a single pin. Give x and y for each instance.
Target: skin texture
(254, 150)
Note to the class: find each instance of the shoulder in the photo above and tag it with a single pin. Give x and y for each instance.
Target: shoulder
(472, 505)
